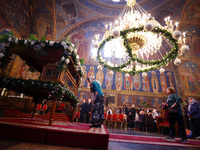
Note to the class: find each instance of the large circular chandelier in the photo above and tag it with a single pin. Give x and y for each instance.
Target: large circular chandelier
(136, 43)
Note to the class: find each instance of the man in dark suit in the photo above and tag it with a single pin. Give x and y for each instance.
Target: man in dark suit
(132, 116)
(88, 110)
(82, 112)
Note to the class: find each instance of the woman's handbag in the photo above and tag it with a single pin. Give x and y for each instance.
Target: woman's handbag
(172, 110)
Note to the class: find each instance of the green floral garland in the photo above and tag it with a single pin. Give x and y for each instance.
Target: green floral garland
(57, 90)
(160, 62)
(9, 40)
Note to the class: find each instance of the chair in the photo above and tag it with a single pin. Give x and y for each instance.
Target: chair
(162, 123)
(109, 118)
(43, 109)
(120, 119)
(77, 116)
(38, 108)
(61, 107)
(149, 123)
(114, 119)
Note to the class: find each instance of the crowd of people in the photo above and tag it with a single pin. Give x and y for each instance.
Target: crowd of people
(138, 118)
(135, 117)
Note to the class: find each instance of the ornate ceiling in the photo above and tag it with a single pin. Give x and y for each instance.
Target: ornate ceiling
(86, 12)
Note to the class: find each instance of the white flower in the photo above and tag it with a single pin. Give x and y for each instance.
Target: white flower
(148, 27)
(2, 55)
(177, 61)
(33, 42)
(116, 33)
(176, 34)
(51, 43)
(111, 73)
(144, 74)
(82, 70)
(65, 47)
(10, 39)
(67, 61)
(77, 68)
(16, 41)
(25, 42)
(185, 48)
(126, 75)
(43, 44)
(72, 44)
(75, 51)
(78, 63)
(77, 56)
(70, 48)
(63, 43)
(62, 58)
(162, 70)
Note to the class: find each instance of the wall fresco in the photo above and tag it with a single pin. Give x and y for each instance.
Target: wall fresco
(190, 78)
(153, 82)
(68, 13)
(17, 14)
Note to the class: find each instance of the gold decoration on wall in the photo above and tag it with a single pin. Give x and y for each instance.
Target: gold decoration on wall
(14, 72)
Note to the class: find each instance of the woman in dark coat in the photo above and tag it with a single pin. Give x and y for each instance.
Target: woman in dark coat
(173, 103)
(193, 113)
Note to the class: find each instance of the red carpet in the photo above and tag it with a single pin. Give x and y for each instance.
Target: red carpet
(150, 140)
(60, 133)
(19, 114)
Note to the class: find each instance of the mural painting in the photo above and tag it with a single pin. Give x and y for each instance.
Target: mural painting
(126, 100)
(68, 13)
(190, 78)
(140, 101)
(85, 76)
(109, 79)
(154, 82)
(118, 81)
(145, 83)
(137, 82)
(128, 83)
(91, 73)
(26, 74)
(156, 103)
(170, 80)
(81, 95)
(16, 11)
(83, 37)
(192, 39)
(100, 75)
(163, 83)
(192, 13)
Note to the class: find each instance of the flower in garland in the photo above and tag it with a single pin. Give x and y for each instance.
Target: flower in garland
(63, 43)
(67, 61)
(70, 48)
(25, 42)
(2, 55)
(51, 43)
(62, 58)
